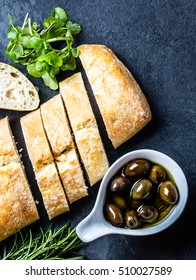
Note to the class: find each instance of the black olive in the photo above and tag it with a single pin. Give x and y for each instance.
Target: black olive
(142, 189)
(137, 168)
(157, 174)
(119, 184)
(168, 192)
(114, 215)
(132, 220)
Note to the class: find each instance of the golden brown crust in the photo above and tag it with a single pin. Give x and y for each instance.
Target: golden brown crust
(60, 138)
(7, 149)
(71, 175)
(123, 106)
(17, 206)
(36, 141)
(43, 164)
(56, 125)
(85, 128)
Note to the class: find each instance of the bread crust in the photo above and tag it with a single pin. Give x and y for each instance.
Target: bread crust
(85, 127)
(123, 106)
(59, 135)
(17, 206)
(43, 164)
(16, 91)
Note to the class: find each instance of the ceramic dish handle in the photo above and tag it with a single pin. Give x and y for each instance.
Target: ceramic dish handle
(90, 228)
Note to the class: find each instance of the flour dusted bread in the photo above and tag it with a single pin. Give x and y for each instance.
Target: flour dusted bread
(59, 135)
(16, 91)
(43, 164)
(123, 106)
(17, 206)
(85, 128)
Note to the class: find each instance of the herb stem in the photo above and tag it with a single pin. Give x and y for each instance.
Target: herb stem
(30, 28)
(25, 21)
(58, 39)
(51, 244)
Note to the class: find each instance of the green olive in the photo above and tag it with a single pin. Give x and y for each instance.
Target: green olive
(168, 192)
(119, 184)
(132, 220)
(114, 215)
(142, 189)
(137, 168)
(159, 203)
(134, 204)
(157, 174)
(148, 213)
(119, 201)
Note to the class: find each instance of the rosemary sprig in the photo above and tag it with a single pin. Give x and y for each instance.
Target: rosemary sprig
(49, 245)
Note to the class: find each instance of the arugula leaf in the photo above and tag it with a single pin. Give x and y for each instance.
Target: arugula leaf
(34, 47)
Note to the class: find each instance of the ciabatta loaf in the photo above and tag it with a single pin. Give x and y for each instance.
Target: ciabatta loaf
(59, 135)
(16, 91)
(123, 106)
(17, 206)
(43, 164)
(85, 128)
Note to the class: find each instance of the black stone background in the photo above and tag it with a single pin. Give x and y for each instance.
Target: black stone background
(155, 40)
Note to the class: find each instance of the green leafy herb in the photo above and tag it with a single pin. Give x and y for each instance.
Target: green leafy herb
(50, 245)
(34, 47)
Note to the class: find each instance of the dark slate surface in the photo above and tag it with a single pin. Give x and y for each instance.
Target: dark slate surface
(154, 39)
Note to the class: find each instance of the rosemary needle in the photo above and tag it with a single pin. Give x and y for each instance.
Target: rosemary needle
(50, 245)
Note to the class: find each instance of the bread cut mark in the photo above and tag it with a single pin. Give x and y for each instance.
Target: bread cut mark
(96, 111)
(59, 135)
(17, 206)
(84, 126)
(43, 164)
(17, 131)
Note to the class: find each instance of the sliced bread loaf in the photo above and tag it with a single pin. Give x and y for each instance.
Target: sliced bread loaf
(59, 135)
(17, 206)
(84, 127)
(43, 164)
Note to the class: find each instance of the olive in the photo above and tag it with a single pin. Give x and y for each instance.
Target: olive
(114, 215)
(168, 192)
(157, 174)
(119, 184)
(159, 203)
(148, 213)
(142, 189)
(134, 204)
(119, 201)
(137, 168)
(132, 220)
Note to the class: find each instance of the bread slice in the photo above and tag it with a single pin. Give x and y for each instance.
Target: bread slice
(43, 164)
(123, 106)
(59, 135)
(16, 91)
(85, 128)
(17, 206)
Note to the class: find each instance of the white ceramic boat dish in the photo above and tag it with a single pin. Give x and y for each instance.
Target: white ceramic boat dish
(95, 225)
